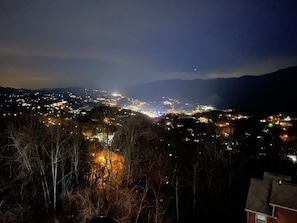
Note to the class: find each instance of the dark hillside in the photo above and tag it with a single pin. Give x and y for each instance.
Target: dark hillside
(274, 92)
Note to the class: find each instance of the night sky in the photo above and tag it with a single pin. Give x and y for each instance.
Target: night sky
(117, 43)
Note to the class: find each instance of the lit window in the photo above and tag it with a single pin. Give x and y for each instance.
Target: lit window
(260, 218)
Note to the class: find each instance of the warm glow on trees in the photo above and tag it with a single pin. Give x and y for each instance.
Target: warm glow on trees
(108, 167)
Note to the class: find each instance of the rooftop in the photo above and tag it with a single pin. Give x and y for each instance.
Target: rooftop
(272, 190)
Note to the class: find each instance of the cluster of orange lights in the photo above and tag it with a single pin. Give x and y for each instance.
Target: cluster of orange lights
(108, 168)
(284, 137)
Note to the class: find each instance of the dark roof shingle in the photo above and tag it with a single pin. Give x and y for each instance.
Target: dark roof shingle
(258, 197)
(273, 190)
(284, 194)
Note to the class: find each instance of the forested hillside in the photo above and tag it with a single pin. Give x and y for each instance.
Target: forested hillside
(125, 165)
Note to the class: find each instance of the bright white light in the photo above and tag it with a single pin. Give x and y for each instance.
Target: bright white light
(293, 158)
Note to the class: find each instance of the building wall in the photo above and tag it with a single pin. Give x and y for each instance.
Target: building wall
(251, 217)
(285, 216)
(282, 216)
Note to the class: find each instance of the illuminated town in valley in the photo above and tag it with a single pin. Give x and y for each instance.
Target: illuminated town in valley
(52, 108)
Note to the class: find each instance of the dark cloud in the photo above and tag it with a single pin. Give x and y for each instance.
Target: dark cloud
(111, 44)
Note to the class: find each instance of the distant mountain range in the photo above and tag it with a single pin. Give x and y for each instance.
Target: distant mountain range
(269, 93)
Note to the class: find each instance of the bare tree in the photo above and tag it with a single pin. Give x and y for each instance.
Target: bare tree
(213, 157)
(59, 152)
(22, 159)
(197, 167)
(38, 158)
(133, 141)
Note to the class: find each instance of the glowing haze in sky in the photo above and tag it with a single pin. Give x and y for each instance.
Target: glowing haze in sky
(112, 44)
